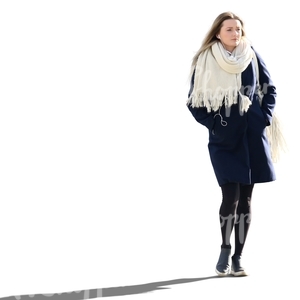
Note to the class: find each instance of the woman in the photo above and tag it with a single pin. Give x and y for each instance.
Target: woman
(224, 98)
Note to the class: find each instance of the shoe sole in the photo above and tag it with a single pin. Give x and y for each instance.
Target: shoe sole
(241, 273)
(221, 273)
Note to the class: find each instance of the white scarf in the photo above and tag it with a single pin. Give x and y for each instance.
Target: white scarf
(218, 77)
(218, 80)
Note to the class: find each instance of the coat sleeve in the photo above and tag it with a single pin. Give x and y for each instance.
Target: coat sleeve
(268, 89)
(200, 114)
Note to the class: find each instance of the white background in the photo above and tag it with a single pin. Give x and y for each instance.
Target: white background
(105, 175)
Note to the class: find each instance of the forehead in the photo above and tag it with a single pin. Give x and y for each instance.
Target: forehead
(231, 23)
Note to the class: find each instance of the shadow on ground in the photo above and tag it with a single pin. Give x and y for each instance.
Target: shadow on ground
(108, 292)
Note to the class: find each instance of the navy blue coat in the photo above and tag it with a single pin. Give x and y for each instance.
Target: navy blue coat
(240, 151)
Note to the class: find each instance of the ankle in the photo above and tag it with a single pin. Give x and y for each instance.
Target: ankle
(237, 255)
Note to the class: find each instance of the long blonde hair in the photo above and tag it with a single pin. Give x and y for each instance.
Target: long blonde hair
(211, 36)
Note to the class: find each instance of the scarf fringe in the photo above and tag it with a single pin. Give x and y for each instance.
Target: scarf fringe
(213, 101)
(276, 138)
(222, 97)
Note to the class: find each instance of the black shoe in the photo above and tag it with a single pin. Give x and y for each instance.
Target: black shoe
(223, 268)
(236, 267)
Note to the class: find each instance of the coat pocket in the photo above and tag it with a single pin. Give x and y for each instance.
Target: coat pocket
(257, 120)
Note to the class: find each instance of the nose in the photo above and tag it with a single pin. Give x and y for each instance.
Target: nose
(236, 34)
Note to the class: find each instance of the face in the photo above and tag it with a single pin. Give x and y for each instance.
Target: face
(230, 34)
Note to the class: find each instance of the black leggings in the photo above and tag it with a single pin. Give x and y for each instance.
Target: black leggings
(235, 210)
